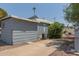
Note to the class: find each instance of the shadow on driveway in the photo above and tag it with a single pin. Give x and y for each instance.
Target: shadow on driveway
(63, 48)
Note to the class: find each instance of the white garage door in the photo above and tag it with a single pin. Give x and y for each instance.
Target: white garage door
(24, 36)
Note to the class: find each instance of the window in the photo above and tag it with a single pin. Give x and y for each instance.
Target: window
(2, 25)
(70, 33)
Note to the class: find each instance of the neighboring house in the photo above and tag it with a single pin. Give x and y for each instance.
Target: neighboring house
(76, 41)
(18, 30)
(68, 32)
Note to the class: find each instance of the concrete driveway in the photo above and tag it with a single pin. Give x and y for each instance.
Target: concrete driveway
(33, 49)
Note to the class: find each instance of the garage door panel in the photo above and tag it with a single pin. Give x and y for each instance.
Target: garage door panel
(25, 31)
(27, 35)
(24, 39)
(24, 35)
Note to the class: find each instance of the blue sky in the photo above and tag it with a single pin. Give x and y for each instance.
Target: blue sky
(49, 10)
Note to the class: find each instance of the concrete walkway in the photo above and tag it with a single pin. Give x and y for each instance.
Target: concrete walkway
(33, 49)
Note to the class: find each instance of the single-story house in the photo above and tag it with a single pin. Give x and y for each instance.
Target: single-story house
(19, 30)
(68, 32)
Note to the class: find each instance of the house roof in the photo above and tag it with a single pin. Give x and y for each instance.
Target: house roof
(41, 20)
(36, 18)
(31, 19)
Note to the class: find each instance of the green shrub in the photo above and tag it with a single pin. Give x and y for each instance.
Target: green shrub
(55, 30)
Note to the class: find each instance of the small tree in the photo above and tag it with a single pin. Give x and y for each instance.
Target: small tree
(3, 13)
(55, 30)
(72, 13)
